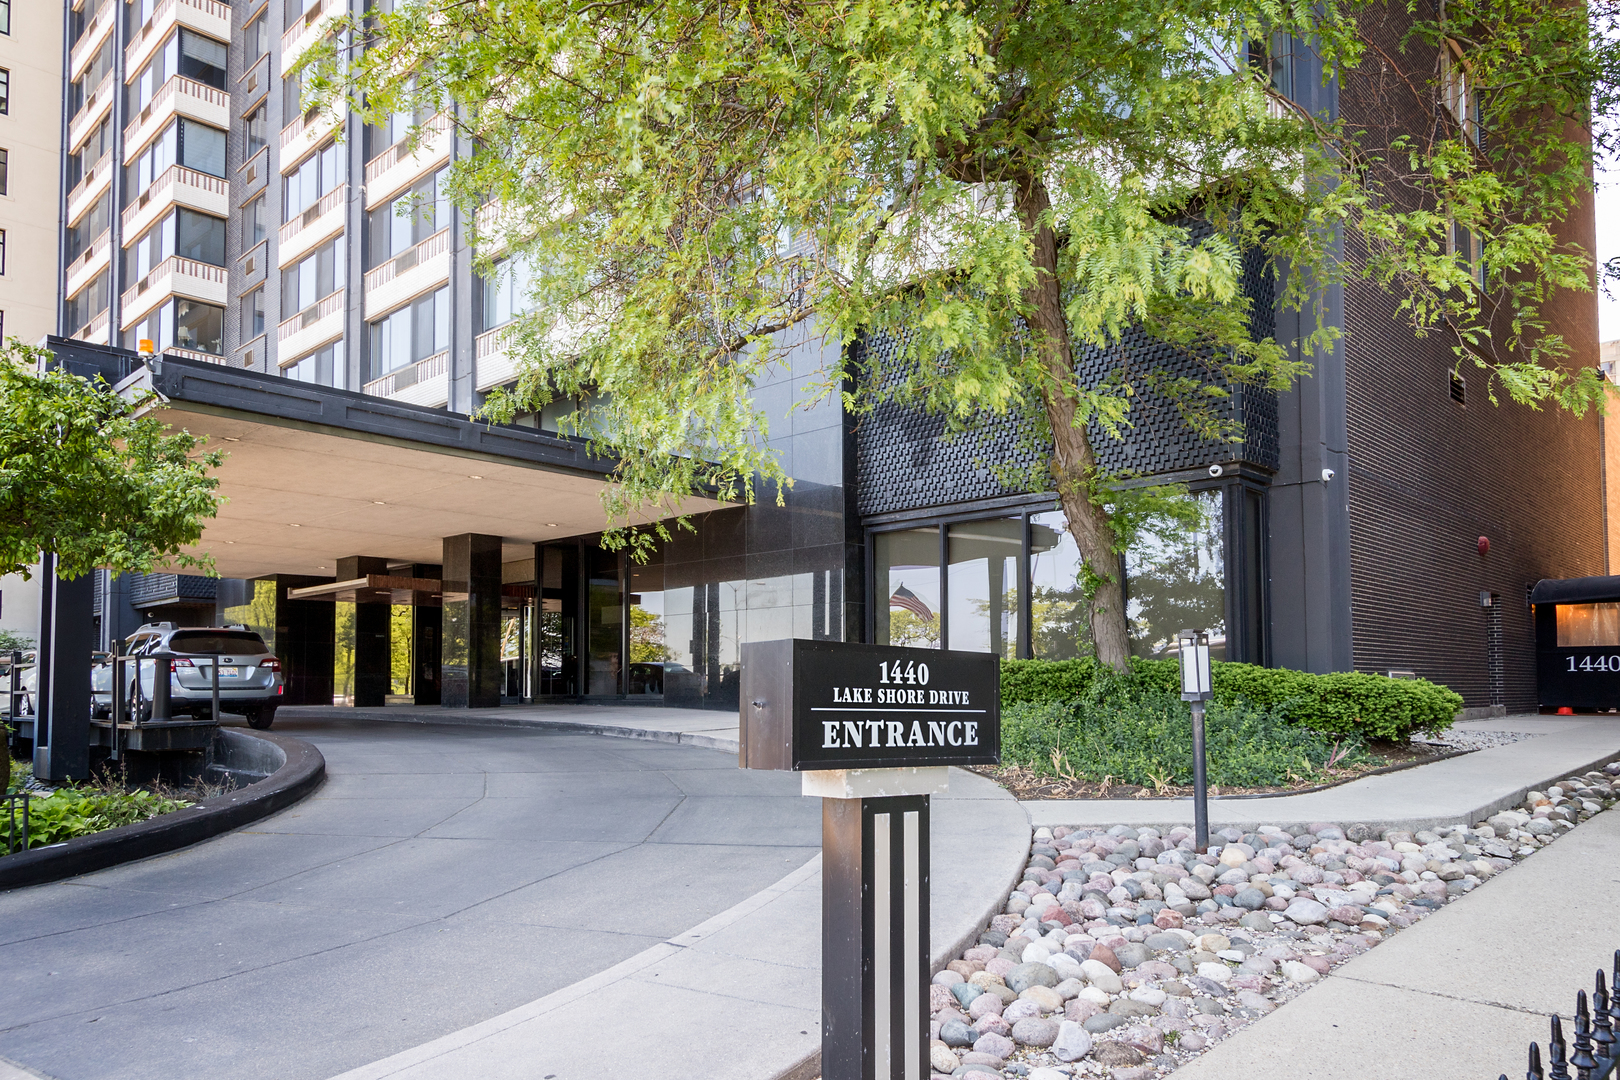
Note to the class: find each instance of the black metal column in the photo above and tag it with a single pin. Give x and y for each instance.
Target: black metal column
(62, 704)
(373, 663)
(470, 642)
(874, 945)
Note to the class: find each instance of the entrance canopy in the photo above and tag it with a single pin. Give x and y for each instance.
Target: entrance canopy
(313, 474)
(1581, 590)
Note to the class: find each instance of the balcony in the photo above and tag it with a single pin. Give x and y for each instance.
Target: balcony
(207, 17)
(426, 382)
(305, 134)
(497, 363)
(320, 221)
(393, 170)
(90, 188)
(409, 274)
(193, 354)
(95, 332)
(491, 223)
(95, 258)
(307, 31)
(176, 186)
(89, 43)
(96, 106)
(311, 328)
(173, 276)
(179, 96)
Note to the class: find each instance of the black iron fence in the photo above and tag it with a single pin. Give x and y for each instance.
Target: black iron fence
(1595, 1052)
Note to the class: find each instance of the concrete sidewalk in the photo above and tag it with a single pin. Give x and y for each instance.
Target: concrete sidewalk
(1461, 790)
(707, 728)
(1462, 993)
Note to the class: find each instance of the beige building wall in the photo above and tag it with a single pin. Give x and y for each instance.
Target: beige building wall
(31, 135)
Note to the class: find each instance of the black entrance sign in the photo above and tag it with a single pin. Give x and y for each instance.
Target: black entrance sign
(834, 705)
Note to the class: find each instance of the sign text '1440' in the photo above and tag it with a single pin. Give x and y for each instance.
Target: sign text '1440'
(1596, 663)
(906, 671)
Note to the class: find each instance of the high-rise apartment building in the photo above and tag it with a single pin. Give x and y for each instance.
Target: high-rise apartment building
(210, 214)
(30, 167)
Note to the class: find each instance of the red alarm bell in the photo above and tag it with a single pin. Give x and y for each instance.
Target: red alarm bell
(1484, 545)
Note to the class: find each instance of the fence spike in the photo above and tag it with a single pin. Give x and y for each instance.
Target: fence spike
(1602, 1024)
(1582, 1058)
(1534, 1071)
(1555, 1052)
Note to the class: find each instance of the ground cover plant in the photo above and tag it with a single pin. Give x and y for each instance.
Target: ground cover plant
(106, 803)
(1129, 731)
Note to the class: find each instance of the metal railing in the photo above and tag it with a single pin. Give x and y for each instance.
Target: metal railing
(174, 175)
(1595, 1052)
(13, 834)
(309, 316)
(432, 128)
(412, 257)
(312, 213)
(430, 367)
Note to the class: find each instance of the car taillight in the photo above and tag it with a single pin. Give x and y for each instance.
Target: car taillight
(271, 664)
(182, 662)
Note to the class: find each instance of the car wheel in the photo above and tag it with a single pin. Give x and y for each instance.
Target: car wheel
(261, 718)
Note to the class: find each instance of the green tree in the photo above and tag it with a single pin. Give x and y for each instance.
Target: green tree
(698, 187)
(93, 478)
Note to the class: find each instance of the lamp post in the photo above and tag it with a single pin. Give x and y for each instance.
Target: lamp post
(1197, 688)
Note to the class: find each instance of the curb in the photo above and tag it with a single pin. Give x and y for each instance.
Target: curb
(301, 772)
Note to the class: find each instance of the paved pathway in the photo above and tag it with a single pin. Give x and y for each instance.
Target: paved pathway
(1462, 993)
(440, 877)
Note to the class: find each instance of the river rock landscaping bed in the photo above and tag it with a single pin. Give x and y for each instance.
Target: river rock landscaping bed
(1124, 953)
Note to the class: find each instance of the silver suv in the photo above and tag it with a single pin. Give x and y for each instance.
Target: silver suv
(249, 676)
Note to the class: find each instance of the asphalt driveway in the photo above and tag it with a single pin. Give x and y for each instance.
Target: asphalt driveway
(442, 875)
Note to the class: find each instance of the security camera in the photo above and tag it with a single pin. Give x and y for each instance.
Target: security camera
(1327, 474)
(1216, 470)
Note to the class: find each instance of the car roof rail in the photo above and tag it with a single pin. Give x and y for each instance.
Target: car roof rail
(156, 626)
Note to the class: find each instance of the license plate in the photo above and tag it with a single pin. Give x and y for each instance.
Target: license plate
(229, 672)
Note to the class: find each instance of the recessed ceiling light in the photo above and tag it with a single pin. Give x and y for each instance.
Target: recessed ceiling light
(230, 541)
(294, 525)
(474, 476)
(320, 568)
(551, 524)
(378, 502)
(229, 439)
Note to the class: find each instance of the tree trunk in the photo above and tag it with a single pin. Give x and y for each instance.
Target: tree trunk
(1073, 460)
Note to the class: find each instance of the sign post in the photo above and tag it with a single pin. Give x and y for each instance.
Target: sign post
(873, 730)
(1197, 687)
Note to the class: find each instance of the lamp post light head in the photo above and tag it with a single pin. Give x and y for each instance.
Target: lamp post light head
(1193, 650)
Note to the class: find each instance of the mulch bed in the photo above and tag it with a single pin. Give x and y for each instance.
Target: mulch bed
(1026, 783)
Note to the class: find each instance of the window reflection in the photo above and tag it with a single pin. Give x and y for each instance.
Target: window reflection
(985, 585)
(1059, 629)
(649, 647)
(1588, 624)
(907, 568)
(1176, 579)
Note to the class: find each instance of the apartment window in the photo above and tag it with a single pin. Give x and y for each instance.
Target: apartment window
(1458, 93)
(254, 125)
(5, 91)
(256, 38)
(324, 366)
(90, 302)
(402, 223)
(1462, 241)
(80, 90)
(414, 332)
(186, 54)
(5, 169)
(313, 278)
(184, 142)
(2, 251)
(181, 324)
(184, 233)
(5, 16)
(253, 222)
(95, 222)
(508, 293)
(318, 174)
(89, 154)
(253, 314)
(137, 13)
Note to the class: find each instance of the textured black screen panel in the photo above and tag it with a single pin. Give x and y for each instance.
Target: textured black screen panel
(907, 462)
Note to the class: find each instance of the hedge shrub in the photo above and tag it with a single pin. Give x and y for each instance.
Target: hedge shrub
(1372, 706)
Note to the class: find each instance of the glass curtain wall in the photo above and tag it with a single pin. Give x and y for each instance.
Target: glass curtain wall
(605, 608)
(1176, 579)
(648, 633)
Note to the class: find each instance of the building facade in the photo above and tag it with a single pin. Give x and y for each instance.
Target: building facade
(312, 299)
